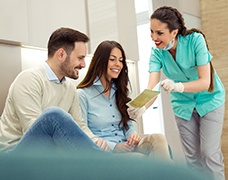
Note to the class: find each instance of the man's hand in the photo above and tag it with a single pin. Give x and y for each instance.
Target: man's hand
(102, 144)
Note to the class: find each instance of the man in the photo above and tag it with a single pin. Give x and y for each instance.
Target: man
(42, 108)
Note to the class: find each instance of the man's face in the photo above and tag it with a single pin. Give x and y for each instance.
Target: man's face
(75, 61)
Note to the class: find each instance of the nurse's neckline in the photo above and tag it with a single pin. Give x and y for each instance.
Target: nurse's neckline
(172, 51)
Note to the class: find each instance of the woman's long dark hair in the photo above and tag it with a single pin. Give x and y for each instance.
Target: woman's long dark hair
(174, 20)
(98, 68)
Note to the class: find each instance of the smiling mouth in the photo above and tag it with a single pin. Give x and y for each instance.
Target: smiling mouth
(115, 70)
(76, 70)
(158, 43)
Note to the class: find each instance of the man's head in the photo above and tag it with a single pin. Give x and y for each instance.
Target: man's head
(66, 52)
(65, 38)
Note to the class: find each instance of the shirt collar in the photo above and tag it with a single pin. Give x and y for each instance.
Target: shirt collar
(51, 75)
(98, 83)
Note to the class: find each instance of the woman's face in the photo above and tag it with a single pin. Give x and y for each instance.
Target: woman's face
(160, 33)
(115, 63)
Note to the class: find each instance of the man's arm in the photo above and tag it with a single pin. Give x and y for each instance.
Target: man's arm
(26, 96)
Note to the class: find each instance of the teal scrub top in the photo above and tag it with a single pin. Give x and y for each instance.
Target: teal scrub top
(191, 52)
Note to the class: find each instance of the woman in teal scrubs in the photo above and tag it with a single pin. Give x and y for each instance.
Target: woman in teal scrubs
(197, 94)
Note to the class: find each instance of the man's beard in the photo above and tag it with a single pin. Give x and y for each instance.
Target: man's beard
(67, 69)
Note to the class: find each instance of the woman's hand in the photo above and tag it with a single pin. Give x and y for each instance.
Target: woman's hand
(129, 145)
(133, 140)
(123, 148)
(135, 113)
(168, 85)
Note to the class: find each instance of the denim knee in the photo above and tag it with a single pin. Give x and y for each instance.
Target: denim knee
(53, 110)
(55, 114)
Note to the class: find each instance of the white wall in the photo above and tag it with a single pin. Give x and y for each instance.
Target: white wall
(113, 20)
(13, 20)
(31, 22)
(45, 16)
(10, 66)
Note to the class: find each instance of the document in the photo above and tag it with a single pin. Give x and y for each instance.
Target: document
(143, 98)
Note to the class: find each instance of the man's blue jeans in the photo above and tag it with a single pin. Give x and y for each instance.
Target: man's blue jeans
(54, 130)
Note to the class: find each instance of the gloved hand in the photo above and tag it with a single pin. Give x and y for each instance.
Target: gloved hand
(136, 113)
(168, 85)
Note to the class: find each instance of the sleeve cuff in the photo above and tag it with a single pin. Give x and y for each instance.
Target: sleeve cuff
(111, 145)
